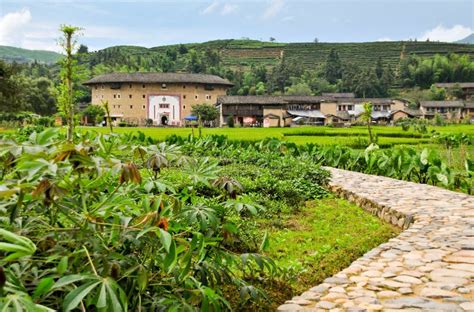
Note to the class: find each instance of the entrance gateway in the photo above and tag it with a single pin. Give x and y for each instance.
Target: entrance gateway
(164, 109)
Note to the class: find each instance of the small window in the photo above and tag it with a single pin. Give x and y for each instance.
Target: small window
(131, 106)
(184, 87)
(115, 96)
(184, 106)
(118, 106)
(196, 97)
(143, 106)
(143, 96)
(102, 96)
(129, 96)
(163, 86)
(96, 87)
(164, 106)
(184, 96)
(118, 96)
(208, 97)
(102, 86)
(130, 86)
(114, 106)
(196, 87)
(143, 86)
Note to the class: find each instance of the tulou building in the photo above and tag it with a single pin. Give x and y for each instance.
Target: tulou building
(160, 98)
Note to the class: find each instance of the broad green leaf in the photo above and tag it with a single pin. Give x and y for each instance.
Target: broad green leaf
(69, 279)
(102, 299)
(43, 287)
(73, 299)
(265, 242)
(111, 287)
(170, 259)
(62, 265)
(166, 239)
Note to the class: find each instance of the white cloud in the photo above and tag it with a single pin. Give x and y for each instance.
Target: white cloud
(12, 26)
(216, 6)
(211, 8)
(441, 33)
(385, 39)
(273, 9)
(228, 8)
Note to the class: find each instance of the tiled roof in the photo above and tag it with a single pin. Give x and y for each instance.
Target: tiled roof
(158, 78)
(441, 104)
(453, 84)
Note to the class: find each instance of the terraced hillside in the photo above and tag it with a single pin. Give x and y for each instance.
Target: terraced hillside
(248, 52)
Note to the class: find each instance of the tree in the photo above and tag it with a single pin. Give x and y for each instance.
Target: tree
(387, 79)
(437, 94)
(94, 113)
(230, 121)
(299, 88)
(367, 84)
(272, 39)
(379, 68)
(10, 88)
(205, 112)
(38, 97)
(333, 67)
(315, 40)
(83, 49)
(367, 117)
(68, 74)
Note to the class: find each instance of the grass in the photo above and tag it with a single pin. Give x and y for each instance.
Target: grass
(302, 135)
(322, 238)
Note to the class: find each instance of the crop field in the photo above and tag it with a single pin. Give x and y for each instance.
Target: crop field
(355, 136)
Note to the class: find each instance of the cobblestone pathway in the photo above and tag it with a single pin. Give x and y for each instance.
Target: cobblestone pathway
(428, 267)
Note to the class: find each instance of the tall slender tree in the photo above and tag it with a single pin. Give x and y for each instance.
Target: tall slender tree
(333, 67)
(68, 73)
(367, 117)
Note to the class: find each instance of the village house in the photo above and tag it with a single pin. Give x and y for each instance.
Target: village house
(447, 109)
(467, 88)
(161, 98)
(281, 111)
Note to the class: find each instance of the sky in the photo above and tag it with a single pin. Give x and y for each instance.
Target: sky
(34, 24)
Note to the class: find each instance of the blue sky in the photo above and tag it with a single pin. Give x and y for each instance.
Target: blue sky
(34, 24)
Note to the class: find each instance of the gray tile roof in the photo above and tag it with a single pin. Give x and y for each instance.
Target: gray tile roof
(441, 104)
(339, 95)
(453, 84)
(158, 78)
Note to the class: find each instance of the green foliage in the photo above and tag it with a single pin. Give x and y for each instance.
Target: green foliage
(87, 206)
(205, 112)
(94, 113)
(438, 94)
(230, 121)
(333, 67)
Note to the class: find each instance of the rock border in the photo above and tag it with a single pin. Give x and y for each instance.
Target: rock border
(429, 266)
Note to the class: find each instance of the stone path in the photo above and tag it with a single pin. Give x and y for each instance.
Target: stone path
(428, 267)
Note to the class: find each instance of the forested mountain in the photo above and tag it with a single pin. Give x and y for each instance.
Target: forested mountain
(12, 54)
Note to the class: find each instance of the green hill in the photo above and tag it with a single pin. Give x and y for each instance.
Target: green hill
(237, 53)
(12, 54)
(243, 52)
